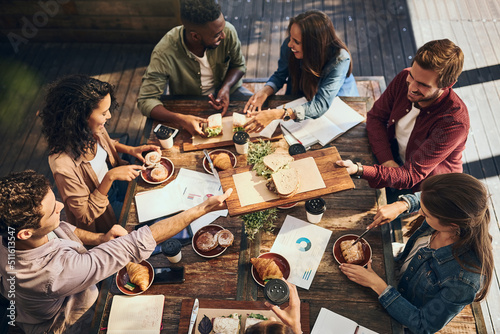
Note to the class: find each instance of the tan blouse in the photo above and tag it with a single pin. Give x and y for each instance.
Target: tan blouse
(86, 207)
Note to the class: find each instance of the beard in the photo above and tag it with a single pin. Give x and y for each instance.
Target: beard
(422, 98)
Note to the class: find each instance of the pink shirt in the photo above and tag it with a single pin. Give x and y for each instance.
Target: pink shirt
(63, 273)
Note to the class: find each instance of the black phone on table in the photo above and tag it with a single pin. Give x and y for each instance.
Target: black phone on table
(168, 275)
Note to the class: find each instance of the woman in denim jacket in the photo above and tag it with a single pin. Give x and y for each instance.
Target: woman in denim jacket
(313, 62)
(446, 264)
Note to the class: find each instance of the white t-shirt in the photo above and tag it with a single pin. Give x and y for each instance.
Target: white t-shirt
(99, 163)
(404, 128)
(207, 75)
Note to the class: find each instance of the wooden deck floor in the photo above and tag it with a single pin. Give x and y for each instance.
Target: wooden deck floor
(381, 35)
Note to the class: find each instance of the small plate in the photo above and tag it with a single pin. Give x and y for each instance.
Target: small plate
(212, 228)
(337, 253)
(279, 260)
(206, 166)
(169, 165)
(122, 279)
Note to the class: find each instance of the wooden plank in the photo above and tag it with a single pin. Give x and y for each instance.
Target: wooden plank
(336, 179)
(187, 306)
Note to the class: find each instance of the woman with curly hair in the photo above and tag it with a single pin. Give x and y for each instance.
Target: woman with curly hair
(313, 62)
(447, 262)
(83, 158)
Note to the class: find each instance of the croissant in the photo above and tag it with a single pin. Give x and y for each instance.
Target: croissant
(138, 274)
(266, 268)
(352, 254)
(222, 161)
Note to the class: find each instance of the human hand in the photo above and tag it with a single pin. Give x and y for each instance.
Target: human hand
(291, 314)
(214, 203)
(115, 232)
(388, 213)
(124, 173)
(255, 103)
(364, 276)
(390, 163)
(137, 151)
(351, 167)
(262, 119)
(222, 101)
(192, 124)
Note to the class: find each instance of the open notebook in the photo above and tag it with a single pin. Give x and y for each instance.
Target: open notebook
(337, 120)
(329, 322)
(136, 314)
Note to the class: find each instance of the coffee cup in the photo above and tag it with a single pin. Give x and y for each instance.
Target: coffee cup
(166, 139)
(240, 140)
(276, 291)
(315, 209)
(171, 248)
(296, 149)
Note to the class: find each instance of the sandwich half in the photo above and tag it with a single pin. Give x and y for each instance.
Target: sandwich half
(253, 319)
(227, 325)
(239, 121)
(277, 161)
(285, 182)
(213, 127)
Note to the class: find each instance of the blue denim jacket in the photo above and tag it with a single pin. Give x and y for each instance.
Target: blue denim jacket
(333, 82)
(434, 288)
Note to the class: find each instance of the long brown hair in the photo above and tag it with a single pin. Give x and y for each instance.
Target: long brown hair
(269, 327)
(320, 43)
(458, 199)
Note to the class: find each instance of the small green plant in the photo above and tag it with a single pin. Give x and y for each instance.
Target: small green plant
(256, 153)
(259, 221)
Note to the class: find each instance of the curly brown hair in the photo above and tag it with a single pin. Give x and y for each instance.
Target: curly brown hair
(68, 105)
(21, 196)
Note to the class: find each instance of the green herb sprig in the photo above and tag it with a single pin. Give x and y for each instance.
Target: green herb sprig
(256, 153)
(259, 221)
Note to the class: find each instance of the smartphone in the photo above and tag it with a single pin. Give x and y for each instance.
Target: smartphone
(168, 131)
(168, 275)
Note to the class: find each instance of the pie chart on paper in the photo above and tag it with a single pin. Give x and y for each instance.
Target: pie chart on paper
(303, 244)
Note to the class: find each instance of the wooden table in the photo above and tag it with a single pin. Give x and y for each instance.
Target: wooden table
(228, 276)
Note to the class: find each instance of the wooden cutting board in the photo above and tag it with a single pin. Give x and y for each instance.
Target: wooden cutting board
(227, 305)
(188, 146)
(335, 178)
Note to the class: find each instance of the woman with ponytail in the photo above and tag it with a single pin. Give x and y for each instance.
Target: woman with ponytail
(447, 262)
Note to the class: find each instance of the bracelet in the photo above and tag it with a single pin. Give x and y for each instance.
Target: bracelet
(359, 172)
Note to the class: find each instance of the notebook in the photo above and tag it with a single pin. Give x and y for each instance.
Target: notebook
(329, 322)
(336, 121)
(136, 314)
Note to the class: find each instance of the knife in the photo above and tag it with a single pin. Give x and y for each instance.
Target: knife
(211, 164)
(194, 314)
(359, 238)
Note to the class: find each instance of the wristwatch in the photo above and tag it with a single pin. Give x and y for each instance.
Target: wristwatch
(286, 115)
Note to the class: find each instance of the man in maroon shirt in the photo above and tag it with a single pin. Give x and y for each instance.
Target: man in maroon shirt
(419, 125)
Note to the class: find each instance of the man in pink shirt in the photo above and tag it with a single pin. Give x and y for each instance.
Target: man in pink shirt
(46, 273)
(419, 125)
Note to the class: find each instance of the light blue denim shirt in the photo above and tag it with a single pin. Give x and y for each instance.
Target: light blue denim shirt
(333, 82)
(434, 288)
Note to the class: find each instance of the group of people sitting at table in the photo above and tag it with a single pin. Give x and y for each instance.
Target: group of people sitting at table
(417, 130)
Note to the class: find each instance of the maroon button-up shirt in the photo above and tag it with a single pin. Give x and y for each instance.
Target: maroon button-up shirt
(435, 145)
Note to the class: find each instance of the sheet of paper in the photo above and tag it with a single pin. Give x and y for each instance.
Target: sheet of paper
(342, 115)
(331, 322)
(157, 203)
(252, 188)
(206, 220)
(303, 245)
(195, 187)
(227, 133)
(136, 314)
(304, 131)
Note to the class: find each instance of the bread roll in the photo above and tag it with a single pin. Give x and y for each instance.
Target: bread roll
(206, 242)
(222, 161)
(352, 254)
